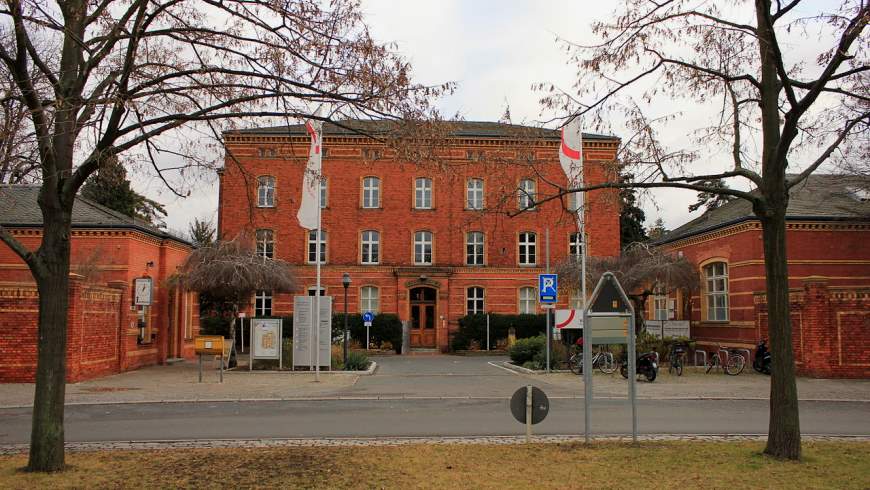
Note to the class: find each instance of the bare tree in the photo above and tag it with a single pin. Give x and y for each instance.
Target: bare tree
(126, 75)
(780, 117)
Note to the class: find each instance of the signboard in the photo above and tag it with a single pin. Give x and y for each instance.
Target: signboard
(608, 329)
(610, 317)
(676, 328)
(266, 338)
(209, 344)
(143, 289)
(548, 285)
(368, 318)
(569, 319)
(668, 328)
(303, 331)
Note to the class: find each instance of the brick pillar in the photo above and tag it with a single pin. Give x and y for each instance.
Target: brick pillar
(124, 321)
(75, 328)
(818, 339)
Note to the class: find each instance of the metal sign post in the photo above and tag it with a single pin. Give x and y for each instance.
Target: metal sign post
(610, 320)
(548, 285)
(368, 318)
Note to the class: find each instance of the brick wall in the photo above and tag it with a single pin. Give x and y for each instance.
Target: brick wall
(830, 329)
(92, 332)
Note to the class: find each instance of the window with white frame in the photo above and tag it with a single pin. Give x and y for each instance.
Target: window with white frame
(474, 194)
(266, 191)
(474, 300)
(323, 193)
(371, 192)
(528, 245)
(369, 299)
(474, 248)
(423, 248)
(312, 246)
(575, 245)
(716, 276)
(527, 300)
(423, 193)
(265, 244)
(660, 307)
(370, 247)
(263, 303)
(526, 194)
(312, 291)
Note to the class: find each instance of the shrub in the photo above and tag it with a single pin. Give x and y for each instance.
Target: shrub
(356, 361)
(385, 329)
(525, 350)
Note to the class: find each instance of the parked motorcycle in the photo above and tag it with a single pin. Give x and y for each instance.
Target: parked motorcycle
(646, 365)
(763, 359)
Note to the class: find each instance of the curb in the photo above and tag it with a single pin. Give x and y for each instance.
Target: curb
(10, 449)
(373, 366)
(420, 398)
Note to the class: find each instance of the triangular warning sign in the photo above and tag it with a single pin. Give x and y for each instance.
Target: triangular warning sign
(609, 297)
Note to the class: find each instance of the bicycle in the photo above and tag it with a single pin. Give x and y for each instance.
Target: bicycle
(602, 360)
(675, 358)
(733, 364)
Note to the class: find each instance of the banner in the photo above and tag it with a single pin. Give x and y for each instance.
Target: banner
(308, 210)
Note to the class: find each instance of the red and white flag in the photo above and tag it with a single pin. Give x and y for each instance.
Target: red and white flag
(571, 159)
(308, 214)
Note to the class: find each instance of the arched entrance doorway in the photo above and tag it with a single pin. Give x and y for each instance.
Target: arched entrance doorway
(423, 321)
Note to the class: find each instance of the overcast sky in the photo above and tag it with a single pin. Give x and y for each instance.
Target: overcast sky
(494, 50)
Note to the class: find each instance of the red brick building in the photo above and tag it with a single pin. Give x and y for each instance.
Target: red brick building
(107, 333)
(828, 228)
(428, 241)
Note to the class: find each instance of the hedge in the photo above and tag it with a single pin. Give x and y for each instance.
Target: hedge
(473, 327)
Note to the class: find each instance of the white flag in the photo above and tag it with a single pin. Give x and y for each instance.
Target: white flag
(571, 158)
(308, 211)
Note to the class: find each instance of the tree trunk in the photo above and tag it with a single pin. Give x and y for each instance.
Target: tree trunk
(784, 434)
(47, 435)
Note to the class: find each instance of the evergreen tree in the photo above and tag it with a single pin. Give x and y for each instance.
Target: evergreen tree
(711, 199)
(110, 187)
(201, 233)
(631, 217)
(657, 230)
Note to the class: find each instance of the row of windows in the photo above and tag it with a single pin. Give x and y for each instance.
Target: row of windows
(371, 193)
(475, 301)
(370, 246)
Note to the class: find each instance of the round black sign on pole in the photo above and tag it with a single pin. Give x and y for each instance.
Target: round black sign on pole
(540, 405)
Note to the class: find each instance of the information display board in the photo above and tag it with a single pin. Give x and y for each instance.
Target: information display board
(304, 317)
(265, 341)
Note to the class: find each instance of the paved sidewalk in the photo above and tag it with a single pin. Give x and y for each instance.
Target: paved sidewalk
(429, 377)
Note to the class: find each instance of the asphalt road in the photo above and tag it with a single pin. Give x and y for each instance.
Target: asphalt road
(372, 418)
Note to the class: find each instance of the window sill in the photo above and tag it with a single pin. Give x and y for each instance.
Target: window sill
(364, 208)
(369, 263)
(423, 209)
(266, 207)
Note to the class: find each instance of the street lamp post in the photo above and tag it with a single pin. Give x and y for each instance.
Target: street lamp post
(345, 281)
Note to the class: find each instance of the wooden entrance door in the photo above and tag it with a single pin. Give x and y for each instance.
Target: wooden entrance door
(423, 321)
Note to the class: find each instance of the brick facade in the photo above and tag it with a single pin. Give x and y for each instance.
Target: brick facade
(103, 333)
(347, 162)
(829, 281)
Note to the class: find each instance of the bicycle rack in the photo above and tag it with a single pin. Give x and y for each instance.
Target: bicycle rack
(703, 355)
(747, 356)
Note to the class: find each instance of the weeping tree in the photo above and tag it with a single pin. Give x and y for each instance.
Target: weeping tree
(231, 271)
(154, 80)
(640, 270)
(781, 88)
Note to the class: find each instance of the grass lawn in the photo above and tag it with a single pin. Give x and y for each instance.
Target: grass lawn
(604, 465)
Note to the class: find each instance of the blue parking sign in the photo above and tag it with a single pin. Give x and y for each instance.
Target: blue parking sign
(548, 285)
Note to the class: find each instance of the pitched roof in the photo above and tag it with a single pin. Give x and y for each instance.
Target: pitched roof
(821, 197)
(19, 208)
(459, 129)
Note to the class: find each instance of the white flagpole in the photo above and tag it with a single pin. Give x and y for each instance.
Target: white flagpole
(317, 289)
